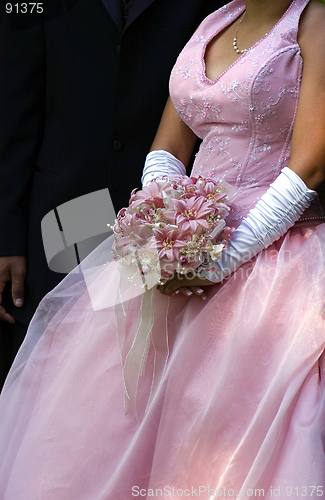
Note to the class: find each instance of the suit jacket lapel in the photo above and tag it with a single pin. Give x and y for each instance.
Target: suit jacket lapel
(114, 9)
(137, 7)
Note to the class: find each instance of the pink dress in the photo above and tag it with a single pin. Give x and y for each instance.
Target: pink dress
(239, 410)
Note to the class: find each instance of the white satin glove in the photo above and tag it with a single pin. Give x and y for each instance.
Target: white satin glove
(278, 209)
(159, 163)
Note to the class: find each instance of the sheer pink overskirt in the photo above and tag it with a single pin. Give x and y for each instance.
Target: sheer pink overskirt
(240, 406)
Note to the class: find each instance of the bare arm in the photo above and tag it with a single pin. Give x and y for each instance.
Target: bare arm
(174, 135)
(308, 141)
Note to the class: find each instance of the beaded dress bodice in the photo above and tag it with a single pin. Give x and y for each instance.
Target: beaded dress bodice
(246, 116)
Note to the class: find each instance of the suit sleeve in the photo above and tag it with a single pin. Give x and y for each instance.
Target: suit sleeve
(22, 109)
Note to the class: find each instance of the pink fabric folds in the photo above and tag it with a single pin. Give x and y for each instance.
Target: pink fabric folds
(240, 406)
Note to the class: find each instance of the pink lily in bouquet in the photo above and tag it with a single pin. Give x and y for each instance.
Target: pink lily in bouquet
(191, 213)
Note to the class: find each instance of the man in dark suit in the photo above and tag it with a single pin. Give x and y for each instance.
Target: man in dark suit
(83, 85)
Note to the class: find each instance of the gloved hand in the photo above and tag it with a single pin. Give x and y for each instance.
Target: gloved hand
(278, 209)
(159, 163)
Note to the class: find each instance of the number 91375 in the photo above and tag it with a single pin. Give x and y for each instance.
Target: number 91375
(24, 8)
(304, 491)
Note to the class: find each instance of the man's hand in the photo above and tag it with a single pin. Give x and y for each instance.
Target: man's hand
(12, 268)
(186, 286)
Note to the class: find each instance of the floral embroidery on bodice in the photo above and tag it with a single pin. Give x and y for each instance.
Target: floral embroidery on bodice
(246, 116)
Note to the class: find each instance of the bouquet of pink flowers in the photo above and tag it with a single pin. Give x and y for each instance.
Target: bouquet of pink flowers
(174, 224)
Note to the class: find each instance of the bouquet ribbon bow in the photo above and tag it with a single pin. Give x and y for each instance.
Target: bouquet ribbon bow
(172, 226)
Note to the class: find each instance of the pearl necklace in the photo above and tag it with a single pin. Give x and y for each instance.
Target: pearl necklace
(235, 38)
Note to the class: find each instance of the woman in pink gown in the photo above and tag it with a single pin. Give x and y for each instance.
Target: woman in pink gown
(235, 383)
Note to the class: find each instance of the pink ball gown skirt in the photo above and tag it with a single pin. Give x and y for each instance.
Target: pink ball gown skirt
(240, 407)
